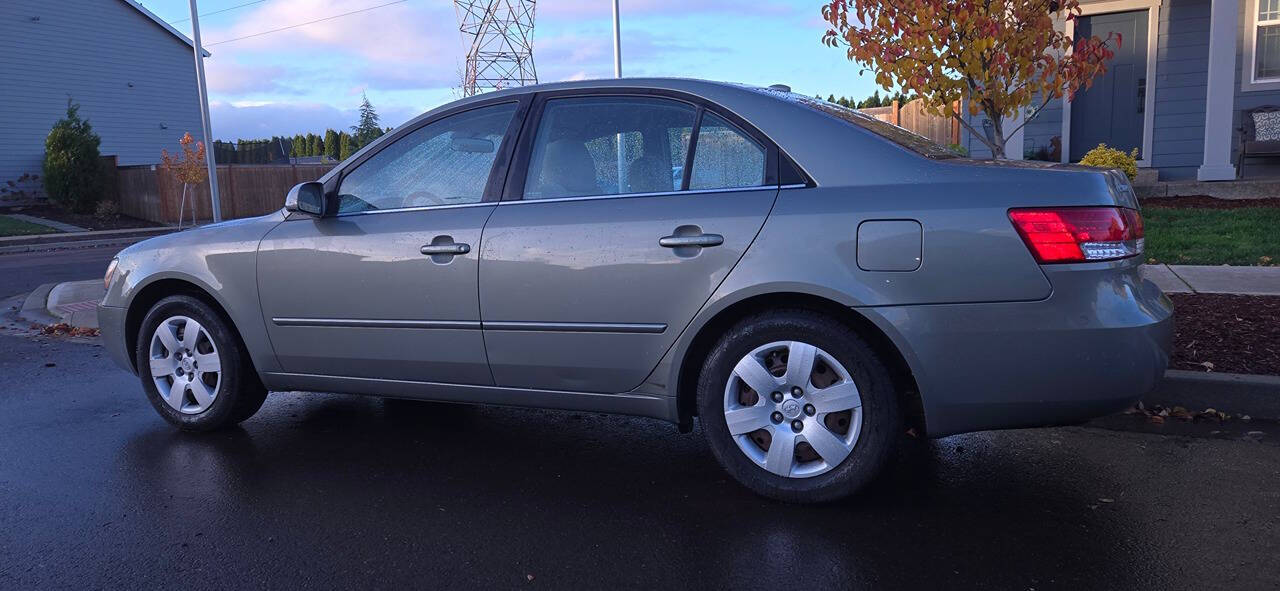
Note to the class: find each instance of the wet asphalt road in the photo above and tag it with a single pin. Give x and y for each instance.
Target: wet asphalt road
(21, 273)
(349, 492)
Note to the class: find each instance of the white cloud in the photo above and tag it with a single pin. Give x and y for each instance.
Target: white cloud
(398, 46)
(227, 76)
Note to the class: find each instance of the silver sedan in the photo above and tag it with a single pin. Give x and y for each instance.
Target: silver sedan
(810, 283)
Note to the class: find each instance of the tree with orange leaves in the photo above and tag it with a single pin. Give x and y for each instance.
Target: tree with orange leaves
(1000, 57)
(189, 168)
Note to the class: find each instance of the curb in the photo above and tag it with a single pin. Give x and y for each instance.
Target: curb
(1239, 394)
(71, 244)
(34, 306)
(76, 302)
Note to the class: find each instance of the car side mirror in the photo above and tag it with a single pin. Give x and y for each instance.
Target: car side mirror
(307, 198)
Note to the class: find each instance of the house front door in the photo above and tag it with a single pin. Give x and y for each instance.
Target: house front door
(1111, 111)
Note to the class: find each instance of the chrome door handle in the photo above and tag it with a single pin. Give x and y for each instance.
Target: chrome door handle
(445, 249)
(698, 240)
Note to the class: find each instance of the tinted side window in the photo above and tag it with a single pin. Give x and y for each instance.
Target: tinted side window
(724, 157)
(443, 163)
(609, 146)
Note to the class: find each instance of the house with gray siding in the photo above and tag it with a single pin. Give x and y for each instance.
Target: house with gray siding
(131, 73)
(1181, 80)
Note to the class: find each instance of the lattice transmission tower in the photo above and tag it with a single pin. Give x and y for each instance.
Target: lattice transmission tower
(500, 33)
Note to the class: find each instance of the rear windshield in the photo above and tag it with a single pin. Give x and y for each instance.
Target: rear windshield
(916, 143)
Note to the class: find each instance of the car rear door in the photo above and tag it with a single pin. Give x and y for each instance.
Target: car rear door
(622, 215)
(386, 287)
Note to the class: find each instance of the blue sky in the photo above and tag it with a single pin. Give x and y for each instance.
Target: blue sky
(408, 56)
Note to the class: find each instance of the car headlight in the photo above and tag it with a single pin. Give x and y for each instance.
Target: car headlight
(111, 270)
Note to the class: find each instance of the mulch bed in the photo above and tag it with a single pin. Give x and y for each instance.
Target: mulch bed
(1227, 333)
(1206, 202)
(84, 220)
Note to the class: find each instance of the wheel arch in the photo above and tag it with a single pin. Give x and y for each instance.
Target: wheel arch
(686, 378)
(147, 295)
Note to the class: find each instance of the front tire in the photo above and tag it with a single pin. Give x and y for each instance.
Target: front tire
(193, 368)
(797, 407)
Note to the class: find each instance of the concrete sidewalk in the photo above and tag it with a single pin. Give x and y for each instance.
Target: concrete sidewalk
(1215, 279)
(59, 226)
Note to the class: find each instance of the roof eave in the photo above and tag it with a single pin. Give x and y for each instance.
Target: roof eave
(167, 26)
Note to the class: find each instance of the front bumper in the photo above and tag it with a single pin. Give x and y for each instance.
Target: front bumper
(111, 325)
(1095, 346)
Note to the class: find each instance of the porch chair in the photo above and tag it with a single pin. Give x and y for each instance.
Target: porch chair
(1259, 134)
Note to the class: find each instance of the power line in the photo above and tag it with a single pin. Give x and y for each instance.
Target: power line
(319, 20)
(203, 14)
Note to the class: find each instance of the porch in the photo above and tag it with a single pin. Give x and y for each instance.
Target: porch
(1178, 92)
(1147, 186)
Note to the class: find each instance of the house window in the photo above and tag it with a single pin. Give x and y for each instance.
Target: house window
(1266, 56)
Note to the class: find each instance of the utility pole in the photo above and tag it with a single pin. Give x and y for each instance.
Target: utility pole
(617, 43)
(204, 116)
(620, 147)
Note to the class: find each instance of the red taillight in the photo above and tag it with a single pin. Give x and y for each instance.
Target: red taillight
(1079, 234)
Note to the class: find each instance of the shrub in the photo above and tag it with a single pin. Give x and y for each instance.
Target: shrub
(106, 210)
(1104, 157)
(958, 149)
(72, 173)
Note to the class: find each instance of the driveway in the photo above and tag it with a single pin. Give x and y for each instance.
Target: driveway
(348, 492)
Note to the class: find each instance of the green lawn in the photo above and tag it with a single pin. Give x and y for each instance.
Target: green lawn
(14, 227)
(1213, 236)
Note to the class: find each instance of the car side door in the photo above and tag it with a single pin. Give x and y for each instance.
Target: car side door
(622, 215)
(385, 286)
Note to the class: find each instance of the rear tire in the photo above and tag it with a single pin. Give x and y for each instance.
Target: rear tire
(178, 335)
(843, 407)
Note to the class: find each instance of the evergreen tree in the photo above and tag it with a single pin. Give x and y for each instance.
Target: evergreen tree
(313, 144)
(331, 147)
(345, 148)
(72, 174)
(367, 129)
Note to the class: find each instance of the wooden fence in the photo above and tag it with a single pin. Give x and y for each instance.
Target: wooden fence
(911, 116)
(245, 190)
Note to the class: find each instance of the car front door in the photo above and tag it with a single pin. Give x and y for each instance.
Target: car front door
(385, 287)
(609, 241)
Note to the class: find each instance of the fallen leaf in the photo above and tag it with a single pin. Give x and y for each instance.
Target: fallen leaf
(1105, 500)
